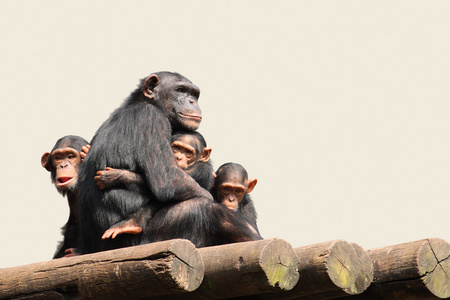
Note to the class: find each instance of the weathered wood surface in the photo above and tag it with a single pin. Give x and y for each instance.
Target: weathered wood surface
(249, 268)
(414, 270)
(161, 268)
(329, 270)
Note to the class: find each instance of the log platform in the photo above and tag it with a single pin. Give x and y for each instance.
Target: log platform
(266, 269)
(415, 270)
(161, 268)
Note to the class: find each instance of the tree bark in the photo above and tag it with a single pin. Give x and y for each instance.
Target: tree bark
(155, 269)
(414, 270)
(329, 270)
(248, 268)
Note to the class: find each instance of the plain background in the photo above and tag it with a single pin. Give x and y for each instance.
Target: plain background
(340, 108)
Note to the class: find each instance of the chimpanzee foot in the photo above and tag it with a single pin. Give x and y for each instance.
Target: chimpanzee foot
(115, 231)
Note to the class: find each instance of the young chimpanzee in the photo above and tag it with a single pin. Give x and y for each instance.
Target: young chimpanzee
(136, 137)
(232, 188)
(63, 163)
(192, 155)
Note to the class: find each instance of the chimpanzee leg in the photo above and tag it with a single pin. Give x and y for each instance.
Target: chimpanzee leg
(231, 226)
(203, 222)
(134, 224)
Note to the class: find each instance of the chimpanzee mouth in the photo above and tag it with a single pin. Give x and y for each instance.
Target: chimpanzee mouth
(193, 117)
(62, 181)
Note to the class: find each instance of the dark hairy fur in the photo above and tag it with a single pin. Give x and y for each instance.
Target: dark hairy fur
(247, 209)
(202, 172)
(137, 137)
(203, 222)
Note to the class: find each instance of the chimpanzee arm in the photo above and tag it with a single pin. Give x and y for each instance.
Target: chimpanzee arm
(247, 209)
(116, 177)
(166, 180)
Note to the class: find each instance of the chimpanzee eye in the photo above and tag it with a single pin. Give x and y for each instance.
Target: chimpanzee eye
(181, 89)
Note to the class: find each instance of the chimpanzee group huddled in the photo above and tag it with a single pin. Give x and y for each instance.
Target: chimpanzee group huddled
(146, 176)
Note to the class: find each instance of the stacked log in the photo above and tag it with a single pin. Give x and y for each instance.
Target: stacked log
(415, 270)
(329, 270)
(161, 268)
(249, 268)
(267, 269)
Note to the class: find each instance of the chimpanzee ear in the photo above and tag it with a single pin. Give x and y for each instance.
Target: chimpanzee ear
(150, 83)
(45, 162)
(214, 174)
(206, 153)
(251, 185)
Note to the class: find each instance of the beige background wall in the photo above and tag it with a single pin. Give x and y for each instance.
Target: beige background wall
(340, 108)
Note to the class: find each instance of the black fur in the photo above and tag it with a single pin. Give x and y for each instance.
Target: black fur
(137, 137)
(205, 223)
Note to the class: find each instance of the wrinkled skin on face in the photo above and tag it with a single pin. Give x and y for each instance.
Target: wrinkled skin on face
(231, 193)
(188, 150)
(178, 98)
(66, 164)
(184, 153)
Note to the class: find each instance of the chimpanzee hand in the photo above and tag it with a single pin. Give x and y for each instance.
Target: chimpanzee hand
(113, 177)
(84, 151)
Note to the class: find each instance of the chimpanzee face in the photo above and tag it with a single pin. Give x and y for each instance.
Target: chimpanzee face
(186, 111)
(184, 153)
(177, 97)
(230, 193)
(66, 163)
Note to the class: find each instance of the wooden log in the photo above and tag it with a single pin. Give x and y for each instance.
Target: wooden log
(329, 270)
(414, 270)
(161, 268)
(249, 268)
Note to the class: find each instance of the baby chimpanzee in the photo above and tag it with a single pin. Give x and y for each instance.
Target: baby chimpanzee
(232, 188)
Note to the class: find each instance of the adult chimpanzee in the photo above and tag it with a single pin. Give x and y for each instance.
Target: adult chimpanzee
(63, 163)
(192, 155)
(136, 137)
(232, 188)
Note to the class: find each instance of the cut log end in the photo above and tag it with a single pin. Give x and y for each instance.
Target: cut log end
(434, 267)
(187, 266)
(349, 267)
(279, 262)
